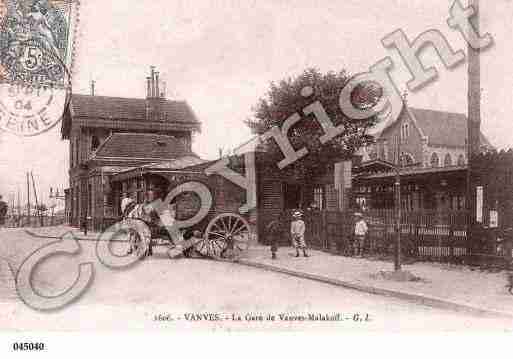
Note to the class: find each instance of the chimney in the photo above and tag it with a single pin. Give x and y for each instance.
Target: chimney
(157, 92)
(92, 87)
(152, 81)
(148, 90)
(154, 96)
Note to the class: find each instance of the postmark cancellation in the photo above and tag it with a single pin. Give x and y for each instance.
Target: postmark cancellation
(36, 55)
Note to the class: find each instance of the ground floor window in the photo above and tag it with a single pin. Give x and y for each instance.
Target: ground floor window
(458, 202)
(320, 197)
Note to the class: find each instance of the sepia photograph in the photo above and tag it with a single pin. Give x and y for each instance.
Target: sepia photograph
(243, 166)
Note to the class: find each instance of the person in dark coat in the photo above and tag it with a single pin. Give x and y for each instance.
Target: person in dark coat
(3, 211)
(275, 232)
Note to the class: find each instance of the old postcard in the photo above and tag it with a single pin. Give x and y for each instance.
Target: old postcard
(230, 165)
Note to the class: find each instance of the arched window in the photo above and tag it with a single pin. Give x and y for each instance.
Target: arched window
(435, 162)
(407, 159)
(95, 143)
(461, 160)
(405, 131)
(447, 160)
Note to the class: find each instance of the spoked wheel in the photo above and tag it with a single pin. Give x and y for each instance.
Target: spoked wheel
(226, 236)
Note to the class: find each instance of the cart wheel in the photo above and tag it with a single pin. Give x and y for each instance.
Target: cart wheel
(227, 236)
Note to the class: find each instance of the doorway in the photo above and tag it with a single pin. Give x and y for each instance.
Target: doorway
(292, 195)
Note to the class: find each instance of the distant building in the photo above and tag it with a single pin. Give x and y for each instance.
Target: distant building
(428, 138)
(430, 148)
(109, 134)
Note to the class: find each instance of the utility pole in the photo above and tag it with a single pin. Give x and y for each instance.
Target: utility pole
(473, 120)
(28, 200)
(12, 205)
(397, 205)
(38, 209)
(19, 218)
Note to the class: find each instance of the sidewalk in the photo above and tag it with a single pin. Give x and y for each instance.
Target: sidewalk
(454, 287)
(441, 285)
(59, 231)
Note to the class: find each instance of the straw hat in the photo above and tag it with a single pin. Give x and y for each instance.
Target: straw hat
(358, 214)
(297, 214)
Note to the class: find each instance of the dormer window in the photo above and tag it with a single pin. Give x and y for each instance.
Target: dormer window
(435, 162)
(447, 160)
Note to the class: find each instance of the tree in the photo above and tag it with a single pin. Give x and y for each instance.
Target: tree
(284, 99)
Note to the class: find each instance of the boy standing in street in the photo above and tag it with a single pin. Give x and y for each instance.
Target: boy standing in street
(275, 231)
(297, 231)
(360, 231)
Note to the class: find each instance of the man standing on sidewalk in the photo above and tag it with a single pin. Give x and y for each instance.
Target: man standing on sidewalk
(3, 211)
(275, 231)
(297, 231)
(360, 231)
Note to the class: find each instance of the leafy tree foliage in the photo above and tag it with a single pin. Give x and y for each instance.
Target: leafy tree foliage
(284, 98)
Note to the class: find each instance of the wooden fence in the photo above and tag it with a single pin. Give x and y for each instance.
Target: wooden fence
(438, 236)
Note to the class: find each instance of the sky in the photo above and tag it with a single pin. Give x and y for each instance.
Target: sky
(221, 55)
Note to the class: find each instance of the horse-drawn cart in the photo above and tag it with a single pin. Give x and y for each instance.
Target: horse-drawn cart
(225, 236)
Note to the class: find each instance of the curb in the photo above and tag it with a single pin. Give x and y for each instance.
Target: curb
(33, 234)
(415, 298)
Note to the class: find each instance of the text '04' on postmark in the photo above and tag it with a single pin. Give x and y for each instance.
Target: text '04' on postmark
(36, 55)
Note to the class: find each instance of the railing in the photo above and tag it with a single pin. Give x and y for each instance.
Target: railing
(425, 235)
(34, 221)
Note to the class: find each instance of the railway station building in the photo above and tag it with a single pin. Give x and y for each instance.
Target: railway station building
(125, 146)
(109, 134)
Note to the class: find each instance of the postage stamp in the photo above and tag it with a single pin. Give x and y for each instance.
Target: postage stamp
(36, 54)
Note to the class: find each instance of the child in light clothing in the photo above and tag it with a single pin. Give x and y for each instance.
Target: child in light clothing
(297, 231)
(360, 231)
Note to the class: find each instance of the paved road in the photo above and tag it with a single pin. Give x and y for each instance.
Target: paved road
(131, 298)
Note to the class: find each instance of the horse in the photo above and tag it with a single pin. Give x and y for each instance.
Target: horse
(145, 223)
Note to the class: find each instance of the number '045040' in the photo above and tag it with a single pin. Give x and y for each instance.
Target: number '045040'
(28, 346)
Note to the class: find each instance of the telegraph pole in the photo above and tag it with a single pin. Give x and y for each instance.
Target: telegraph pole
(28, 200)
(397, 206)
(473, 118)
(38, 209)
(19, 218)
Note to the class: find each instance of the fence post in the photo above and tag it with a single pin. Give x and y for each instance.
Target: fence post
(323, 232)
(334, 243)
